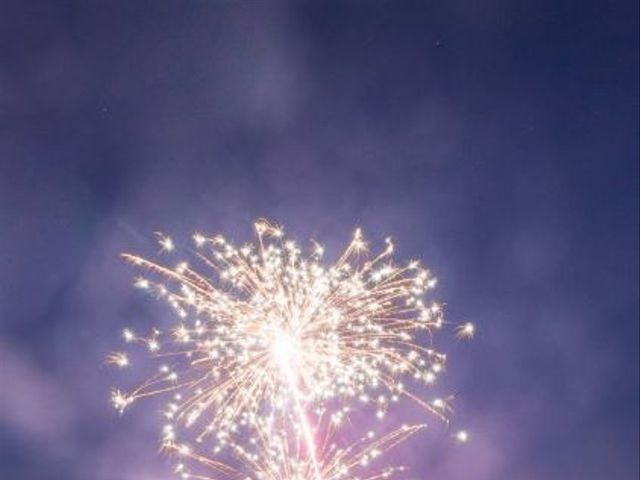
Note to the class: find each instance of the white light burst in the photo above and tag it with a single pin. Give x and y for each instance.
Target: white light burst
(273, 348)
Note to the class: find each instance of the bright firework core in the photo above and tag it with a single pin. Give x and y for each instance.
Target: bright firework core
(273, 349)
(286, 351)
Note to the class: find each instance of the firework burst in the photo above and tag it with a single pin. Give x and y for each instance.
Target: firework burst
(272, 334)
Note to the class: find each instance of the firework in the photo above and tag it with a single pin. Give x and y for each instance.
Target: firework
(266, 331)
(269, 449)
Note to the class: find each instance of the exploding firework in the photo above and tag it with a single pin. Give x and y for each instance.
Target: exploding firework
(270, 450)
(271, 335)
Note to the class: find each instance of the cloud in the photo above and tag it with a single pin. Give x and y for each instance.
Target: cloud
(31, 403)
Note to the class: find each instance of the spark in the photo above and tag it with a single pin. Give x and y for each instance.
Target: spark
(118, 358)
(166, 243)
(466, 331)
(266, 332)
(128, 335)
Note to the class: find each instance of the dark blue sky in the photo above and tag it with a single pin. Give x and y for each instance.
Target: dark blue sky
(496, 140)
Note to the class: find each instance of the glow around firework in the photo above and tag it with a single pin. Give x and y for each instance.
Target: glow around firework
(270, 339)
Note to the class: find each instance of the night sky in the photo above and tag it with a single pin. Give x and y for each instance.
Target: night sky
(495, 140)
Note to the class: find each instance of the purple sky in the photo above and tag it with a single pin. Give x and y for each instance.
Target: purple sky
(496, 140)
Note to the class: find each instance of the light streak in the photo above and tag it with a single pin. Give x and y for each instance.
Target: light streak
(286, 352)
